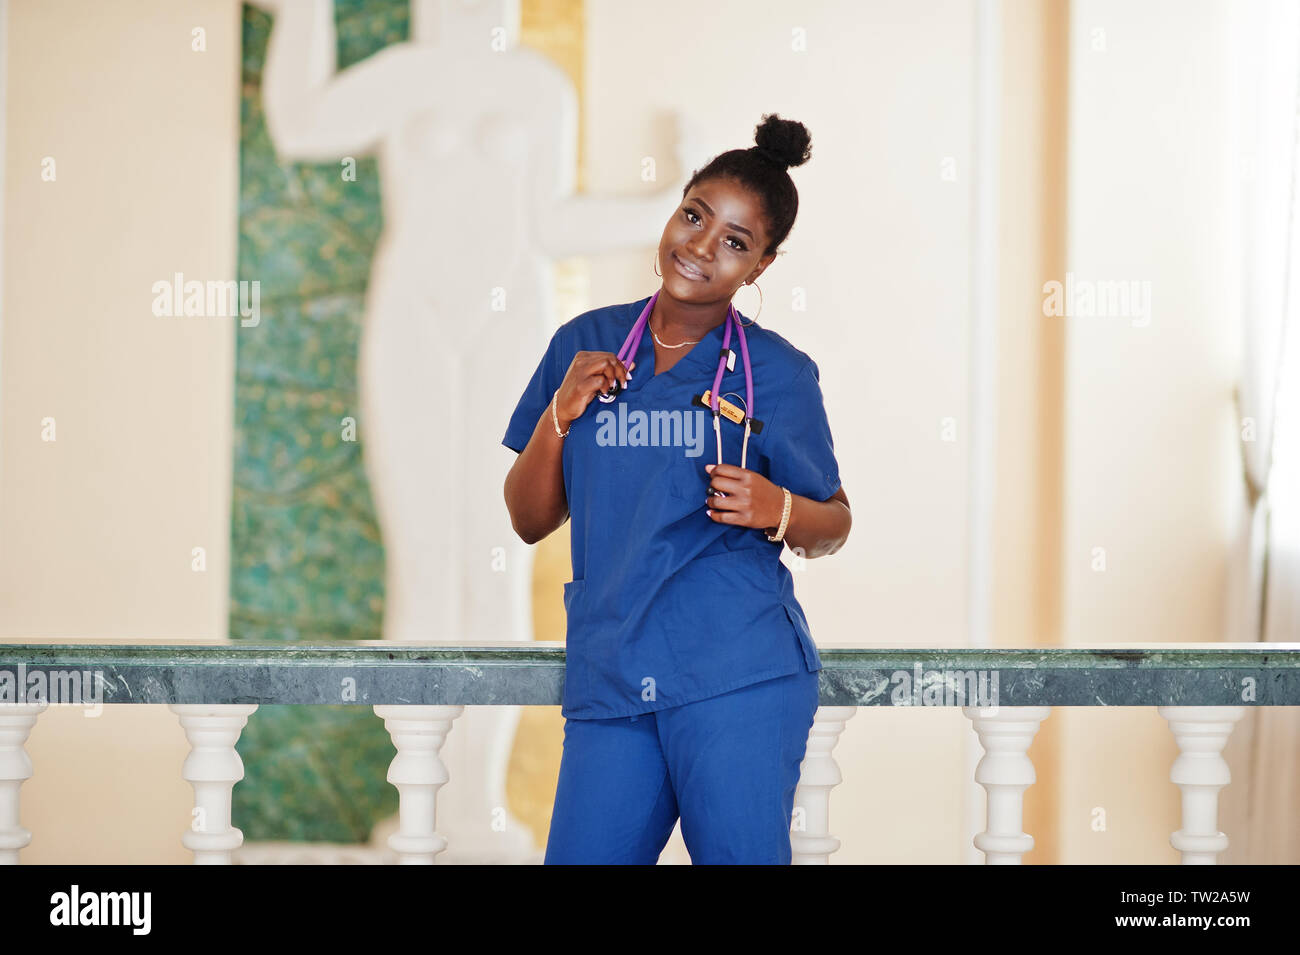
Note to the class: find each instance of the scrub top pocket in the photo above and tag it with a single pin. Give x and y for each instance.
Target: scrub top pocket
(577, 680)
(691, 482)
(572, 591)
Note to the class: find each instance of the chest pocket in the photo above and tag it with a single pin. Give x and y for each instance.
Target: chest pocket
(691, 481)
(688, 480)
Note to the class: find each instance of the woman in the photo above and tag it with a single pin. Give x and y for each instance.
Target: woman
(691, 677)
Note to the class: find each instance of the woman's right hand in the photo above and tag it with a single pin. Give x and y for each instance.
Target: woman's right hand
(590, 373)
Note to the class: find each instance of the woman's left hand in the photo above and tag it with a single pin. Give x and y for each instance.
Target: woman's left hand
(750, 500)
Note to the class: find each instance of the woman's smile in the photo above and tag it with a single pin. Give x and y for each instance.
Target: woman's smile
(687, 270)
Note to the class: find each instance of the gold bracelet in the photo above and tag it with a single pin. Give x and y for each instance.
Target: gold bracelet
(555, 418)
(785, 516)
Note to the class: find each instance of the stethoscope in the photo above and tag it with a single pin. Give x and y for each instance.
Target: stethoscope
(726, 359)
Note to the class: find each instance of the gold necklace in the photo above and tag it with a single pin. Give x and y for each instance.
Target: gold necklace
(692, 342)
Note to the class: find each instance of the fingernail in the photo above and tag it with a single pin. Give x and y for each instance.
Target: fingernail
(708, 467)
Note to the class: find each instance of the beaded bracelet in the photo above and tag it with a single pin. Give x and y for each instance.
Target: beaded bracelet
(785, 517)
(555, 418)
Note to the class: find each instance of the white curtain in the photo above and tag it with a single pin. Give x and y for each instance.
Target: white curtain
(1260, 806)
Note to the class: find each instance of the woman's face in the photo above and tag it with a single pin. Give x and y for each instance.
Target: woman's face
(718, 229)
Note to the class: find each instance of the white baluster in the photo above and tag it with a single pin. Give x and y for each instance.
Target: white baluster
(1200, 771)
(16, 722)
(1005, 772)
(417, 771)
(212, 768)
(811, 842)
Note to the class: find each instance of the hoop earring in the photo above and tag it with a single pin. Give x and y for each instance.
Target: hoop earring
(656, 266)
(760, 305)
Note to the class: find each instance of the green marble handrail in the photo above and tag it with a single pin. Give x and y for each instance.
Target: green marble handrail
(368, 672)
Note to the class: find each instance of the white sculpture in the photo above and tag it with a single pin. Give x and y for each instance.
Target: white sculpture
(476, 146)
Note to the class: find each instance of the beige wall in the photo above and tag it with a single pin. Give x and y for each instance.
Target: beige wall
(1149, 428)
(98, 525)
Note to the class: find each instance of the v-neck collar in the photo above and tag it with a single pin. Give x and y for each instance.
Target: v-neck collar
(703, 355)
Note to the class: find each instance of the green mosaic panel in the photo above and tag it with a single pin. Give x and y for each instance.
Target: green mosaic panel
(307, 563)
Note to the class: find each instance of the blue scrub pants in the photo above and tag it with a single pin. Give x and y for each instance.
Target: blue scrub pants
(728, 765)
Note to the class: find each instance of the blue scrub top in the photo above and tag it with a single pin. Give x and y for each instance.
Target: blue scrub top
(666, 606)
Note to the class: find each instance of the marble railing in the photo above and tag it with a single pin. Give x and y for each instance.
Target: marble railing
(419, 690)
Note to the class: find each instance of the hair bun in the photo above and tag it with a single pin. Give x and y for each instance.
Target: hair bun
(783, 141)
